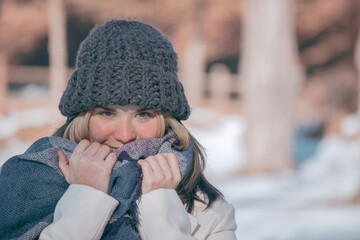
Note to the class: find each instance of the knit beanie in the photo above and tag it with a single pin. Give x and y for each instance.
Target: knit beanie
(125, 62)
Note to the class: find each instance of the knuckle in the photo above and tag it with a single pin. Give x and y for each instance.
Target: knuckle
(170, 155)
(113, 156)
(143, 163)
(85, 155)
(150, 158)
(106, 148)
(84, 141)
(95, 145)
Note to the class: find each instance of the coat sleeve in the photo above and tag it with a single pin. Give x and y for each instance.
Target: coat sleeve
(81, 213)
(163, 216)
(224, 226)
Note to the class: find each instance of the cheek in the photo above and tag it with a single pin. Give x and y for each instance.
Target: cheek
(147, 130)
(98, 131)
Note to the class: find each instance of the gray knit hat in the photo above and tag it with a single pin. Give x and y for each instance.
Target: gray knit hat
(125, 62)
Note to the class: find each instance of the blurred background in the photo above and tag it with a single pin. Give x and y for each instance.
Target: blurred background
(273, 86)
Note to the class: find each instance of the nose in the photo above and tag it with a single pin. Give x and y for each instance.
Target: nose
(124, 131)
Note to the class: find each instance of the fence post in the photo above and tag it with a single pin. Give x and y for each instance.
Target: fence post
(220, 86)
(4, 75)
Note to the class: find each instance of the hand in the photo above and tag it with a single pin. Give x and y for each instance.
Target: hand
(160, 171)
(90, 164)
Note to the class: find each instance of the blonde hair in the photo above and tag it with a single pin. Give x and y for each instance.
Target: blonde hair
(192, 182)
(78, 128)
(182, 134)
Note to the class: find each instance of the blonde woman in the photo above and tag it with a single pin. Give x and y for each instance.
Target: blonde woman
(122, 166)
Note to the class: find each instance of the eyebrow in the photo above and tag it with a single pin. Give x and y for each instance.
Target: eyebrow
(110, 109)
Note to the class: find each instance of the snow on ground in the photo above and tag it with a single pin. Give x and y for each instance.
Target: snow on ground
(306, 204)
(16, 120)
(10, 124)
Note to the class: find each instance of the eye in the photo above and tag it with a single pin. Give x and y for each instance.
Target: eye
(106, 113)
(145, 114)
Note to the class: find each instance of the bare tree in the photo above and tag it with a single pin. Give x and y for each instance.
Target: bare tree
(271, 74)
(57, 53)
(194, 57)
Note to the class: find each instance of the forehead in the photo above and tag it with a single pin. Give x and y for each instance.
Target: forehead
(126, 108)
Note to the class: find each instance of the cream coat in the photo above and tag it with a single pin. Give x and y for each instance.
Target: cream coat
(82, 213)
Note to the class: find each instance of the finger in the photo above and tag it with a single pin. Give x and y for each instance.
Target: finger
(164, 165)
(102, 152)
(174, 165)
(110, 160)
(64, 164)
(147, 180)
(81, 147)
(154, 165)
(92, 149)
(145, 168)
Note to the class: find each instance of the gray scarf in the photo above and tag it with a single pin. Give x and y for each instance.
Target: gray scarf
(31, 184)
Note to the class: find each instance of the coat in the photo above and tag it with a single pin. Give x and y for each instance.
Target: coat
(83, 212)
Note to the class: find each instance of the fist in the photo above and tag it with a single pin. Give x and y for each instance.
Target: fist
(160, 171)
(90, 164)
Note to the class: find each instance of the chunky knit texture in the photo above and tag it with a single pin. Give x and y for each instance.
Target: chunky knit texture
(126, 63)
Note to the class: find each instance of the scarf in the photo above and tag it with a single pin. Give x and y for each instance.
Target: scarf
(31, 184)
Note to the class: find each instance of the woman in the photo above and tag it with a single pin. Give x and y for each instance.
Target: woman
(122, 166)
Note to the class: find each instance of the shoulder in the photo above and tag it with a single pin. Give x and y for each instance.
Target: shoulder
(217, 219)
(221, 205)
(219, 208)
(40, 156)
(51, 142)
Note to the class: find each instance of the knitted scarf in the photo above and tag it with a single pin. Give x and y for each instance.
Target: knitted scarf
(31, 184)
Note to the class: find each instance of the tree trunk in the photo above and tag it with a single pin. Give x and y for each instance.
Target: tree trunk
(194, 64)
(194, 67)
(4, 79)
(271, 74)
(357, 65)
(57, 49)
